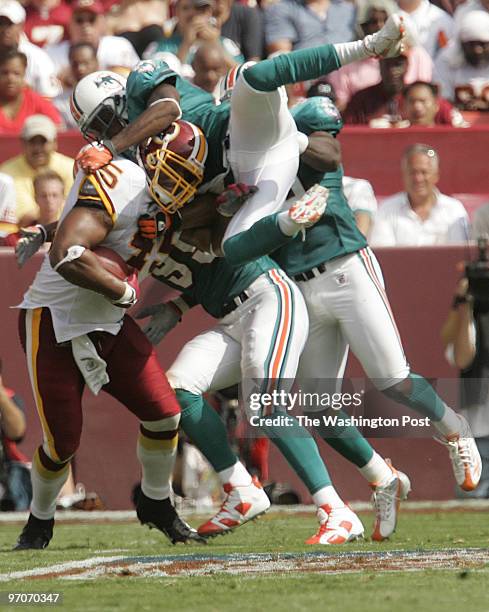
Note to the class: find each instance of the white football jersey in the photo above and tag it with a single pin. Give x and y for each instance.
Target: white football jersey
(75, 311)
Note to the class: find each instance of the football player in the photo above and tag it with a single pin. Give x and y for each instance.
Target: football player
(259, 337)
(264, 145)
(75, 331)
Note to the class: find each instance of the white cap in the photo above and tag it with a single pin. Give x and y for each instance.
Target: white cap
(13, 10)
(475, 26)
(39, 125)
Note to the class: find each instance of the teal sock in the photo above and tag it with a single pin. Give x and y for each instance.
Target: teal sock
(261, 238)
(301, 65)
(345, 439)
(204, 427)
(422, 398)
(299, 448)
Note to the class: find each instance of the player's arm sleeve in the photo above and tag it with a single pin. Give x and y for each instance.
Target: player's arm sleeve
(92, 194)
(361, 198)
(262, 238)
(302, 65)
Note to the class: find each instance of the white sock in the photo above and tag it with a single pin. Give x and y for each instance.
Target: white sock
(328, 495)
(376, 471)
(351, 51)
(286, 225)
(157, 458)
(236, 475)
(46, 486)
(450, 423)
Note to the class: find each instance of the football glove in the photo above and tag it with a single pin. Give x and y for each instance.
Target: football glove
(233, 197)
(151, 227)
(94, 156)
(164, 318)
(31, 240)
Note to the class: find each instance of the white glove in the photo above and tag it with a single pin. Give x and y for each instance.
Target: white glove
(164, 317)
(32, 239)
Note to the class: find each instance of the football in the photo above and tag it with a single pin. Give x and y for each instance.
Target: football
(113, 262)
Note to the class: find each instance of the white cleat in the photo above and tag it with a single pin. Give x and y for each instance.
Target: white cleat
(310, 207)
(389, 40)
(242, 504)
(336, 526)
(464, 455)
(386, 499)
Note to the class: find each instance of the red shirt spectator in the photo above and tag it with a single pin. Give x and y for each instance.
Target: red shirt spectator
(17, 102)
(47, 21)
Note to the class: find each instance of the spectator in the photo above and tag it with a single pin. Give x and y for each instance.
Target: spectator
(421, 105)
(17, 101)
(15, 489)
(466, 340)
(462, 69)
(8, 218)
(139, 21)
(209, 65)
(468, 7)
(361, 198)
(243, 25)
(480, 222)
(298, 24)
(88, 25)
(192, 25)
(83, 61)
(421, 215)
(39, 154)
(434, 26)
(40, 72)
(47, 21)
(49, 194)
(371, 16)
(381, 101)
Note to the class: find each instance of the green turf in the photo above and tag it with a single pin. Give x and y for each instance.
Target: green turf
(368, 591)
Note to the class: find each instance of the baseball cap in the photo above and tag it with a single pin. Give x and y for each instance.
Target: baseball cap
(92, 6)
(13, 10)
(202, 3)
(39, 125)
(475, 26)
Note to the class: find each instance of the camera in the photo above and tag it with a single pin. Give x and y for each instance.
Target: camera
(477, 273)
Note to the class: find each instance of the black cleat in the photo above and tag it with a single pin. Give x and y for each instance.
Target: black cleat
(36, 534)
(161, 515)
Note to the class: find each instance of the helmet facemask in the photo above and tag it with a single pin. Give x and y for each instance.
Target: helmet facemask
(107, 119)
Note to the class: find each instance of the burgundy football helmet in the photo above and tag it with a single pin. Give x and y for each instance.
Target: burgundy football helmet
(174, 162)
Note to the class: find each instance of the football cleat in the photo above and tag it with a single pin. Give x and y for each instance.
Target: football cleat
(241, 504)
(36, 534)
(310, 207)
(386, 499)
(336, 526)
(389, 40)
(464, 455)
(161, 515)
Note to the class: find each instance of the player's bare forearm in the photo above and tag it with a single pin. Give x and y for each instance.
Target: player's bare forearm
(207, 239)
(323, 152)
(155, 119)
(86, 272)
(84, 227)
(200, 213)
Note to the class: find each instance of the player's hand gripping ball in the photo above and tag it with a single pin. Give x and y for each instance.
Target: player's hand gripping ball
(115, 265)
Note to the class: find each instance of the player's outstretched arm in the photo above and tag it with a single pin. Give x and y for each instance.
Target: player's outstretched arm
(71, 256)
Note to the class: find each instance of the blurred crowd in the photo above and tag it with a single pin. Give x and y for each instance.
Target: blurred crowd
(47, 46)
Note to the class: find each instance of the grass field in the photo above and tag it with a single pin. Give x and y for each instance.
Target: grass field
(435, 561)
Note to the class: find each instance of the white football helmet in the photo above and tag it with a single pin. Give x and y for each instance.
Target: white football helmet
(98, 102)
